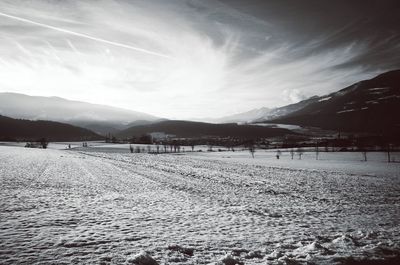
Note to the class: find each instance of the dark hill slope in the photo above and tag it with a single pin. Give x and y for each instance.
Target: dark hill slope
(367, 106)
(190, 129)
(15, 129)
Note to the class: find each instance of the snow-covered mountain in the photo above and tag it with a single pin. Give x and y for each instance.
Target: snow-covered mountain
(99, 118)
(262, 114)
(367, 106)
(285, 110)
(243, 117)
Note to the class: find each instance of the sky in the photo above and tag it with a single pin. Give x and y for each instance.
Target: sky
(191, 59)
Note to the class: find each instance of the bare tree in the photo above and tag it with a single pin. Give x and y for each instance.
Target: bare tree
(364, 153)
(252, 149)
(43, 143)
(362, 147)
(292, 153)
(316, 150)
(210, 147)
(388, 147)
(300, 152)
(278, 154)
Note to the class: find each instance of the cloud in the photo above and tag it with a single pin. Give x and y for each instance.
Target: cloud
(86, 36)
(292, 95)
(224, 58)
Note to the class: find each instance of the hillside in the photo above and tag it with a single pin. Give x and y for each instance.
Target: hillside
(16, 129)
(285, 110)
(99, 118)
(189, 129)
(262, 114)
(367, 106)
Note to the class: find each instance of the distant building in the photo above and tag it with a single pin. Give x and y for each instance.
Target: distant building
(157, 136)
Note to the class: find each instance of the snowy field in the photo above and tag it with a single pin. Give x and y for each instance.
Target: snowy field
(90, 207)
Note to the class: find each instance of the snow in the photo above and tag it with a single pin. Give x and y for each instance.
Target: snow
(125, 148)
(57, 145)
(324, 99)
(343, 162)
(229, 260)
(278, 125)
(389, 97)
(344, 111)
(143, 258)
(79, 207)
(377, 93)
(379, 88)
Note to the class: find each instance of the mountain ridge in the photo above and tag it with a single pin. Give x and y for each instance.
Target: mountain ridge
(366, 106)
(88, 115)
(332, 111)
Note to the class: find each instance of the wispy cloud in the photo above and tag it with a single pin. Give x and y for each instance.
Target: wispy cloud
(173, 58)
(82, 35)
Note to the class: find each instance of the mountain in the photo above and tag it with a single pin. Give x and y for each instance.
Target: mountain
(243, 117)
(262, 114)
(190, 129)
(17, 129)
(285, 110)
(143, 122)
(367, 106)
(99, 118)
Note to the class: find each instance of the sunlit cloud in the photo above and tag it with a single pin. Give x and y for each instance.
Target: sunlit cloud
(174, 59)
